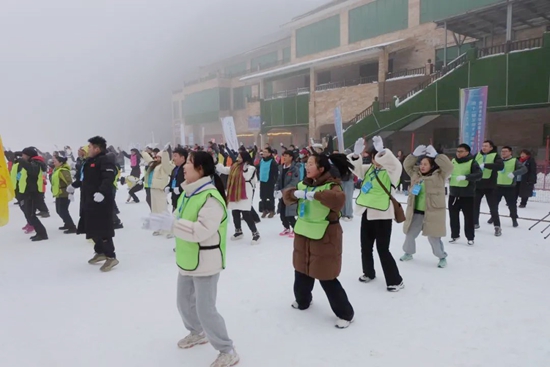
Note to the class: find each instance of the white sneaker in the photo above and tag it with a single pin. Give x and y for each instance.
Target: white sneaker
(365, 279)
(226, 359)
(343, 324)
(470, 243)
(347, 219)
(396, 288)
(191, 340)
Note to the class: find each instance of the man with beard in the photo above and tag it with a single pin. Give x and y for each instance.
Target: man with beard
(96, 187)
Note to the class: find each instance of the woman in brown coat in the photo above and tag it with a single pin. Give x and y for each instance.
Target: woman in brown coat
(318, 235)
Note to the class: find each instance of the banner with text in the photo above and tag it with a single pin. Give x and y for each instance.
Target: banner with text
(473, 116)
(230, 133)
(339, 129)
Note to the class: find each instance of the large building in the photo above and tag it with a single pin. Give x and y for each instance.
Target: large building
(360, 55)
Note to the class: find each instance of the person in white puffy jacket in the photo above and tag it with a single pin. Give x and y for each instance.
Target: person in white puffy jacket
(376, 209)
(240, 192)
(157, 176)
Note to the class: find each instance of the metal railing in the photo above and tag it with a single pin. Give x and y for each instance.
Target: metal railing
(385, 105)
(288, 93)
(361, 115)
(406, 72)
(346, 83)
(510, 46)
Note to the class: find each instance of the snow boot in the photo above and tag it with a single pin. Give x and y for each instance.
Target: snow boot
(226, 359)
(191, 340)
(515, 223)
(97, 258)
(29, 230)
(406, 257)
(498, 232)
(271, 214)
(442, 263)
(470, 243)
(396, 288)
(454, 240)
(286, 232)
(70, 230)
(64, 228)
(343, 324)
(39, 238)
(255, 238)
(110, 263)
(296, 306)
(238, 235)
(490, 221)
(264, 214)
(365, 279)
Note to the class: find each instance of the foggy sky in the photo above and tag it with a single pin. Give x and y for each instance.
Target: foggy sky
(72, 69)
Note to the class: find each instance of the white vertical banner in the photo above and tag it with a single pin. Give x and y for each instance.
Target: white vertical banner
(339, 129)
(230, 133)
(182, 135)
(203, 136)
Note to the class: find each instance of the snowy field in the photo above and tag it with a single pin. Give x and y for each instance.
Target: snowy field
(489, 307)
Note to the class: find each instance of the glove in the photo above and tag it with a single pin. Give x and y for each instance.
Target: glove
(300, 194)
(166, 147)
(167, 189)
(278, 194)
(177, 190)
(378, 143)
(511, 175)
(461, 178)
(159, 222)
(71, 197)
(70, 189)
(310, 195)
(482, 166)
(359, 147)
(420, 150)
(281, 144)
(430, 152)
(98, 197)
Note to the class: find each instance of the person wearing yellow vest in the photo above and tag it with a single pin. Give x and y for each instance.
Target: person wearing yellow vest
(318, 235)
(31, 187)
(200, 227)
(507, 181)
(490, 163)
(60, 180)
(376, 209)
(426, 211)
(462, 188)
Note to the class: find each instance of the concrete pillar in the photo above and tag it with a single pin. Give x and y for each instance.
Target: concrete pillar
(414, 13)
(383, 62)
(344, 27)
(261, 89)
(509, 21)
(312, 104)
(293, 45)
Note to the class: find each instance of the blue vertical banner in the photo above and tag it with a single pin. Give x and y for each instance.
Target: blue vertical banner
(339, 129)
(473, 116)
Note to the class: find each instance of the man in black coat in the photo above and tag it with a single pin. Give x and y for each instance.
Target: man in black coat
(526, 182)
(96, 190)
(179, 157)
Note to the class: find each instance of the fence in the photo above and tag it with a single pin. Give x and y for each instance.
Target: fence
(406, 72)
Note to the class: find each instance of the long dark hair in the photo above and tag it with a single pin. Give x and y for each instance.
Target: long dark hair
(433, 166)
(338, 160)
(204, 160)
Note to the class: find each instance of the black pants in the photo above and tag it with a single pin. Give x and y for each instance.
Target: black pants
(116, 212)
(175, 199)
(379, 231)
(255, 215)
(406, 185)
(41, 204)
(62, 209)
(524, 198)
(287, 221)
(466, 205)
(136, 172)
(104, 246)
(491, 195)
(509, 194)
(267, 191)
(133, 190)
(247, 217)
(337, 297)
(21, 204)
(148, 196)
(30, 204)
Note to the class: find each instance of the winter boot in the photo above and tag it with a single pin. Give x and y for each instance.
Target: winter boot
(271, 214)
(396, 288)
(406, 257)
(296, 306)
(343, 324)
(64, 228)
(39, 238)
(157, 233)
(238, 235)
(191, 340)
(515, 222)
(442, 263)
(365, 279)
(97, 258)
(255, 238)
(226, 359)
(70, 230)
(498, 232)
(110, 263)
(264, 213)
(490, 221)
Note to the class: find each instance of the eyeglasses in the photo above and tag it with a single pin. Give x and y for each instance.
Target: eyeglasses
(461, 151)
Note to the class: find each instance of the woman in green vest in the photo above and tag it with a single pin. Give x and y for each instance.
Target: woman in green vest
(426, 210)
(61, 179)
(318, 235)
(200, 227)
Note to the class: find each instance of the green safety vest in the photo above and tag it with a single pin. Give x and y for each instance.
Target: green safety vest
(509, 167)
(376, 198)
(22, 178)
(486, 159)
(14, 174)
(314, 223)
(117, 176)
(461, 169)
(188, 253)
(56, 191)
(420, 200)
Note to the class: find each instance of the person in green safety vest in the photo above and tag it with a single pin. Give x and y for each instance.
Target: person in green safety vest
(426, 211)
(490, 163)
(60, 180)
(318, 235)
(376, 209)
(507, 181)
(200, 227)
(462, 189)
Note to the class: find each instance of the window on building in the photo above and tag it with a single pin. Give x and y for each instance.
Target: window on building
(240, 96)
(368, 70)
(225, 99)
(323, 77)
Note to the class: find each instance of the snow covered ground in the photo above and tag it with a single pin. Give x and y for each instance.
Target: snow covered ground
(489, 307)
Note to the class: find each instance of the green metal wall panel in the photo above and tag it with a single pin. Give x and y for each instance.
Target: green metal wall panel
(448, 92)
(264, 61)
(525, 68)
(317, 37)
(235, 69)
(376, 18)
(302, 109)
(491, 72)
(239, 97)
(434, 10)
(207, 100)
(283, 112)
(286, 55)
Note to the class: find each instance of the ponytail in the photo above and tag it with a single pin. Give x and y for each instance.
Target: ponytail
(219, 186)
(340, 161)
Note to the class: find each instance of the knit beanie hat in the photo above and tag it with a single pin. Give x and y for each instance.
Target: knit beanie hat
(30, 151)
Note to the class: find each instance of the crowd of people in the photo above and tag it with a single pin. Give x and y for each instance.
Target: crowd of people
(191, 190)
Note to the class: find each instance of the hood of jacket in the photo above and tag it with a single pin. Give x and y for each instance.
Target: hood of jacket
(468, 158)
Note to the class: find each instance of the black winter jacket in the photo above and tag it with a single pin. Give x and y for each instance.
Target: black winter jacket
(475, 175)
(498, 165)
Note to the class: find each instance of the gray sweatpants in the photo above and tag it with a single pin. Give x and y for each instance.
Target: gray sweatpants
(348, 188)
(197, 307)
(409, 247)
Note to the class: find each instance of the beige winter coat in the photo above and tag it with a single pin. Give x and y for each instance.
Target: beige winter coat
(162, 172)
(435, 215)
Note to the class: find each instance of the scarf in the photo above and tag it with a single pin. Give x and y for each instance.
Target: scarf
(523, 160)
(236, 185)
